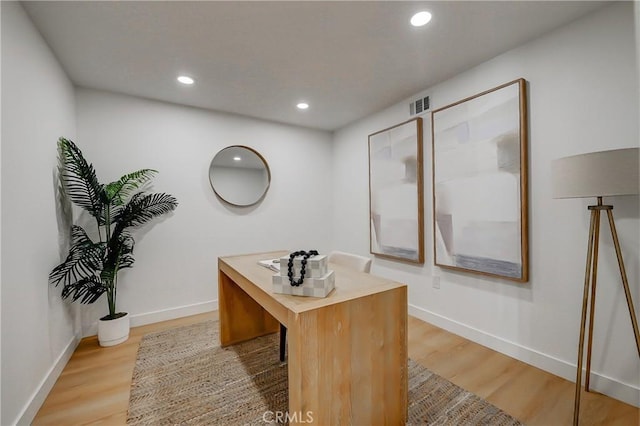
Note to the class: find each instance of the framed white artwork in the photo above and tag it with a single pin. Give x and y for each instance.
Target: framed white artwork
(479, 178)
(396, 192)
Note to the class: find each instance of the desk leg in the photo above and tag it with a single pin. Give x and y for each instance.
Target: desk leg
(241, 317)
(348, 362)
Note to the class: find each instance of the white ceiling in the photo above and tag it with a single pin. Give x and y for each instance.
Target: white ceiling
(346, 59)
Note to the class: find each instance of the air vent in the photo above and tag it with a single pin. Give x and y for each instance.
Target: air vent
(419, 106)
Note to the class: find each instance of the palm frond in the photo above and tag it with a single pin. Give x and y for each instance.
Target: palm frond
(84, 259)
(118, 192)
(108, 275)
(126, 261)
(91, 269)
(64, 212)
(87, 290)
(118, 254)
(144, 207)
(80, 180)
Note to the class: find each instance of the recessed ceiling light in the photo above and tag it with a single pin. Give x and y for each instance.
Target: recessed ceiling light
(185, 80)
(237, 158)
(420, 19)
(303, 105)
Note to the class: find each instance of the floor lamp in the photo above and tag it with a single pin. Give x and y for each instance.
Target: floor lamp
(596, 175)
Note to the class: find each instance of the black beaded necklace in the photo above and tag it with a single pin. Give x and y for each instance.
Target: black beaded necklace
(305, 255)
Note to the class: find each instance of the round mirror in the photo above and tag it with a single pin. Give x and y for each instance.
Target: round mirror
(239, 175)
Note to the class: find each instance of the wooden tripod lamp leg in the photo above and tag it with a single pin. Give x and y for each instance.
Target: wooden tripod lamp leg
(625, 282)
(585, 300)
(590, 284)
(592, 309)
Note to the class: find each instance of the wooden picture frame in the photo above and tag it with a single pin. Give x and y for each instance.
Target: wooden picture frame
(396, 200)
(480, 187)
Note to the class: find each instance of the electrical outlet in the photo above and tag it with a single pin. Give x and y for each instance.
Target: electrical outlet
(435, 282)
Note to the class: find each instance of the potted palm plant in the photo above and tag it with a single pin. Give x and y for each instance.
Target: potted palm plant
(92, 264)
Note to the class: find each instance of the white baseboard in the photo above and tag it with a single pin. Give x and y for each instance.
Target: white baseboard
(614, 388)
(173, 313)
(37, 399)
(162, 315)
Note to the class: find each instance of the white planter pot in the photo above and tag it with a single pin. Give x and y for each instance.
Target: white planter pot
(113, 332)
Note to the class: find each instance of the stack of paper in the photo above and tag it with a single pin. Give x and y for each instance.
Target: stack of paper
(273, 264)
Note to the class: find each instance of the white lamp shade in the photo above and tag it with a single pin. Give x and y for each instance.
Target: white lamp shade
(597, 174)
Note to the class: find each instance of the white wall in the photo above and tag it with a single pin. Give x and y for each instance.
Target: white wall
(176, 260)
(583, 96)
(38, 107)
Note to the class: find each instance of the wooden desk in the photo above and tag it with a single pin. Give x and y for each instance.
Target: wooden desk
(347, 355)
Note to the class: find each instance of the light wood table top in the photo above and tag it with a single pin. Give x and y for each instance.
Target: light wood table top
(350, 284)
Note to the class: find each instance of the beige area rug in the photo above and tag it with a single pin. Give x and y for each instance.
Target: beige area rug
(183, 377)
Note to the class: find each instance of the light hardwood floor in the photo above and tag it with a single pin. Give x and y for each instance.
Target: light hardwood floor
(94, 386)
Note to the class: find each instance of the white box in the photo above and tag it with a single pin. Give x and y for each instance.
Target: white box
(314, 287)
(317, 266)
